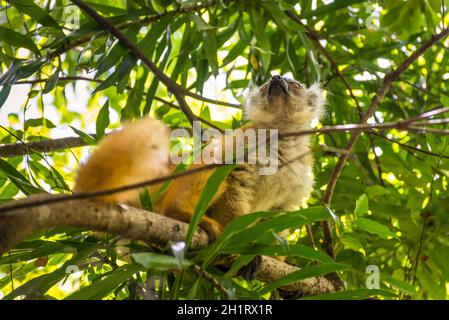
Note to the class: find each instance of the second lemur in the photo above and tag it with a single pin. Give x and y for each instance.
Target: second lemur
(140, 151)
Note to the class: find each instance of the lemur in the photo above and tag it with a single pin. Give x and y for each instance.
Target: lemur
(140, 151)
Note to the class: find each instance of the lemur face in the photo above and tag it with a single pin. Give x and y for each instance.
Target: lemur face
(285, 102)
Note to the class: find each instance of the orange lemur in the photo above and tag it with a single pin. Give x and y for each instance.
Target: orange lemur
(140, 151)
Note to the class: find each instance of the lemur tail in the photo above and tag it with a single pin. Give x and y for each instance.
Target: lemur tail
(138, 152)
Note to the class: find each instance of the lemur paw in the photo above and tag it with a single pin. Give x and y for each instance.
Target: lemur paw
(212, 228)
(251, 269)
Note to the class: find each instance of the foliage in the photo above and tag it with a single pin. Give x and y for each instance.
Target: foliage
(391, 199)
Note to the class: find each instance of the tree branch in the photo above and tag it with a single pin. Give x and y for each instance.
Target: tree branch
(120, 220)
(375, 102)
(130, 223)
(411, 124)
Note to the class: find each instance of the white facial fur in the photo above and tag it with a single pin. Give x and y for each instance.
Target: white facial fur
(293, 111)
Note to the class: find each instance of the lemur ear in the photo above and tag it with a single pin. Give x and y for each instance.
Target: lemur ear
(316, 99)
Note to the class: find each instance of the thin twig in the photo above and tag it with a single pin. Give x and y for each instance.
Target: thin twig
(187, 93)
(178, 91)
(314, 37)
(8, 208)
(387, 82)
(425, 216)
(215, 283)
(10, 150)
(409, 147)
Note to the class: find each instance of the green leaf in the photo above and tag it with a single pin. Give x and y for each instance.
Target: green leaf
(361, 206)
(210, 189)
(145, 200)
(374, 227)
(236, 50)
(278, 223)
(304, 273)
(51, 82)
(39, 285)
(374, 191)
(132, 107)
(258, 24)
(200, 23)
(330, 8)
(231, 228)
(46, 249)
(34, 11)
(100, 288)
(351, 243)
(102, 120)
(17, 39)
(33, 93)
(18, 179)
(86, 137)
(20, 70)
(445, 100)
(243, 83)
(295, 250)
(103, 8)
(210, 47)
(156, 261)
(4, 93)
(31, 123)
(401, 285)
(431, 284)
(116, 52)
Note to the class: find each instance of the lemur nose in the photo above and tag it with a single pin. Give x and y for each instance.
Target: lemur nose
(276, 77)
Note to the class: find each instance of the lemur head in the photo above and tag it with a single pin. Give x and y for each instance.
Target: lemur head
(284, 103)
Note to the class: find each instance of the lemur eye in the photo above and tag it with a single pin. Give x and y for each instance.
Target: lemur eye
(264, 88)
(295, 85)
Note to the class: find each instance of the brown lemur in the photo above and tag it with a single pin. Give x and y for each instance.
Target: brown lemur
(140, 151)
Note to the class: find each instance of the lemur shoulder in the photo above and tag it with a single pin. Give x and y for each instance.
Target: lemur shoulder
(140, 151)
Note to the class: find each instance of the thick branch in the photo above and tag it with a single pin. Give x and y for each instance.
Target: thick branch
(131, 223)
(272, 269)
(120, 220)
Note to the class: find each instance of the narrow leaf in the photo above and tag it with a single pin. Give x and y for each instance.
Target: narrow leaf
(102, 120)
(210, 189)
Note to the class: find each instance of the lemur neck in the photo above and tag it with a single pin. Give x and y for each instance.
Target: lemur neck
(292, 143)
